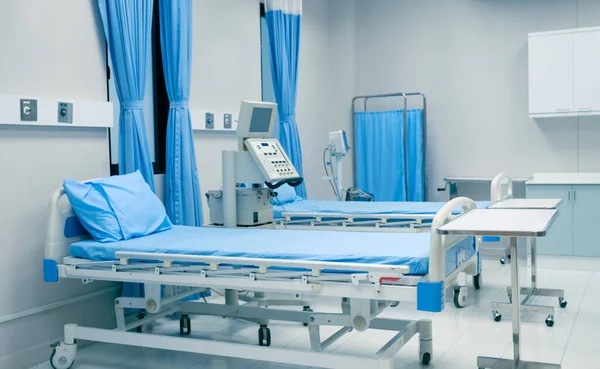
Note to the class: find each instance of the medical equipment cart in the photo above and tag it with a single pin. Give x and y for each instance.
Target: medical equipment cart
(512, 223)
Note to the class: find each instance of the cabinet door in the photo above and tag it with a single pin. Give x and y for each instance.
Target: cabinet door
(586, 202)
(559, 240)
(551, 74)
(587, 71)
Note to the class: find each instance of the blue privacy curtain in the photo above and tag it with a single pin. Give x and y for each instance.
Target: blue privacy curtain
(128, 26)
(382, 154)
(128, 30)
(379, 151)
(183, 198)
(283, 22)
(416, 156)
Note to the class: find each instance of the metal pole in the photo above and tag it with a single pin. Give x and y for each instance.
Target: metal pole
(405, 127)
(533, 264)
(229, 190)
(516, 300)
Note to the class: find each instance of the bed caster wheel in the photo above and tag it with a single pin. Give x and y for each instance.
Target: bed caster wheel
(146, 328)
(497, 316)
(426, 358)
(550, 320)
(460, 297)
(185, 325)
(63, 356)
(505, 260)
(264, 336)
(394, 304)
(306, 309)
(562, 302)
(477, 281)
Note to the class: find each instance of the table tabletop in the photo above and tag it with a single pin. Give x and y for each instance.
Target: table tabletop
(501, 222)
(526, 204)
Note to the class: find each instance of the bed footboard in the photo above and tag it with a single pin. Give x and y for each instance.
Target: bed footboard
(430, 293)
(501, 188)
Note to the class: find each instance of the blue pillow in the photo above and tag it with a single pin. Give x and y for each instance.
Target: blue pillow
(286, 194)
(117, 208)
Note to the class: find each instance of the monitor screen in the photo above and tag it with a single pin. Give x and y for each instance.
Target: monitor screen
(261, 119)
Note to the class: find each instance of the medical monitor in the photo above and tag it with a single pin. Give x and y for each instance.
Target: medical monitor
(256, 119)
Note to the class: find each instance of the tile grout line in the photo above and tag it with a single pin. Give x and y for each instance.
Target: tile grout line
(576, 316)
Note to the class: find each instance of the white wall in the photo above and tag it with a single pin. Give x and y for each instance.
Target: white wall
(225, 71)
(312, 113)
(470, 58)
(48, 49)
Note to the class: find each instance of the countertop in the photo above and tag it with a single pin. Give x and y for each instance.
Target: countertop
(564, 178)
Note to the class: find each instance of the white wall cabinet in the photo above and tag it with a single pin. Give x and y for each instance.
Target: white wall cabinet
(586, 71)
(551, 74)
(564, 73)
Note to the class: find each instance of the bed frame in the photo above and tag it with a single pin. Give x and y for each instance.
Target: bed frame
(501, 188)
(364, 291)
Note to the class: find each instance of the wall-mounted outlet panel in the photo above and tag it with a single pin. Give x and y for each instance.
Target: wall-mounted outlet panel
(227, 121)
(65, 112)
(28, 110)
(45, 111)
(209, 121)
(221, 121)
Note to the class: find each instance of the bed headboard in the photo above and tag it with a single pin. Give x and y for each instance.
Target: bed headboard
(501, 188)
(63, 227)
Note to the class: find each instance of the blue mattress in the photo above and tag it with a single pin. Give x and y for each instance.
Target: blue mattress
(410, 249)
(366, 208)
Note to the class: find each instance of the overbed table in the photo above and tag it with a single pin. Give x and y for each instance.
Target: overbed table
(532, 291)
(512, 223)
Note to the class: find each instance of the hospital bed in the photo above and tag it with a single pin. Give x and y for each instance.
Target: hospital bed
(359, 216)
(372, 216)
(367, 272)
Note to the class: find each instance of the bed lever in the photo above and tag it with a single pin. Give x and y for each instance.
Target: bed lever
(388, 279)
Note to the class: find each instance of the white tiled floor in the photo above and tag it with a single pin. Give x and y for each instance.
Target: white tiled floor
(459, 335)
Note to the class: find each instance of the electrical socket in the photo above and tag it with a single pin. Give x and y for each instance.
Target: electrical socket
(227, 121)
(28, 110)
(65, 112)
(210, 121)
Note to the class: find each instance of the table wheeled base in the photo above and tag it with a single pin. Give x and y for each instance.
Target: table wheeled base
(531, 292)
(484, 362)
(490, 362)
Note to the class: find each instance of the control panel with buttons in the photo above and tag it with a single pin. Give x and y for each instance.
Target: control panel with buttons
(271, 159)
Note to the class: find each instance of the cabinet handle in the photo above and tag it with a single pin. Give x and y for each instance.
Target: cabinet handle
(584, 109)
(574, 195)
(569, 195)
(563, 110)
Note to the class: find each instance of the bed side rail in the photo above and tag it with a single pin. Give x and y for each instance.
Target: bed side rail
(501, 188)
(62, 229)
(263, 264)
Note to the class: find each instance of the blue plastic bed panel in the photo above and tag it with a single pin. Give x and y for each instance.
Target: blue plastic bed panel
(430, 296)
(50, 269)
(359, 208)
(410, 249)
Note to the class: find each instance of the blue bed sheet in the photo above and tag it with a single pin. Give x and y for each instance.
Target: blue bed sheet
(410, 249)
(359, 207)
